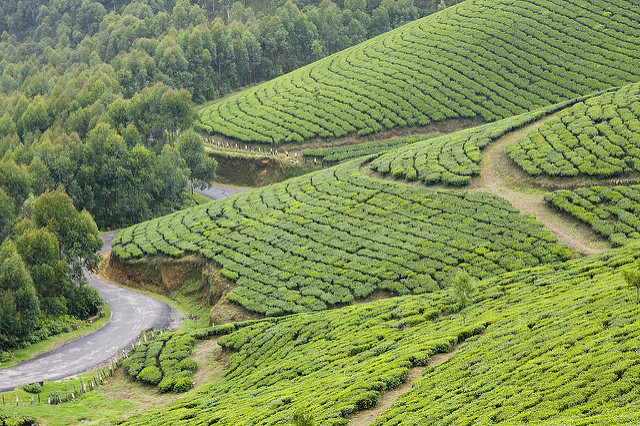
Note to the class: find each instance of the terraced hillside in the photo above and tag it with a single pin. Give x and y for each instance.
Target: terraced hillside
(485, 58)
(613, 212)
(599, 137)
(334, 236)
(452, 159)
(339, 154)
(556, 344)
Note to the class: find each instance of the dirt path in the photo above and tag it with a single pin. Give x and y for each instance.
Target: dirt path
(502, 177)
(362, 418)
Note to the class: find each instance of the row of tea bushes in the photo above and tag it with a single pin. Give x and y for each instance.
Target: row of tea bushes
(554, 344)
(485, 58)
(335, 236)
(598, 137)
(613, 212)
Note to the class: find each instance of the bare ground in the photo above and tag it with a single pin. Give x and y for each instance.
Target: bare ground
(502, 177)
(363, 418)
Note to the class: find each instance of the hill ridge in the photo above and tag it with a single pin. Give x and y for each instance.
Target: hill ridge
(455, 63)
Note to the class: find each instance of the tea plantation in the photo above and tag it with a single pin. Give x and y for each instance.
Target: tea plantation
(483, 58)
(599, 137)
(334, 236)
(453, 159)
(339, 154)
(164, 362)
(555, 344)
(611, 212)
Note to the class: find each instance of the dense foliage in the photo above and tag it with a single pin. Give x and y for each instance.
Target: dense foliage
(47, 243)
(568, 355)
(556, 344)
(163, 361)
(113, 161)
(19, 420)
(598, 137)
(339, 154)
(611, 212)
(477, 59)
(204, 46)
(333, 236)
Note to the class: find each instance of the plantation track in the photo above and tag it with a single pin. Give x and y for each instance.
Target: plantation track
(500, 179)
(367, 417)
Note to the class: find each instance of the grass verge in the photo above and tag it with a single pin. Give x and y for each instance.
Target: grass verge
(53, 342)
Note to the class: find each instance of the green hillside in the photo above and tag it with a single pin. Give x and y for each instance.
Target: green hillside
(549, 345)
(340, 154)
(611, 212)
(334, 236)
(454, 158)
(485, 58)
(599, 137)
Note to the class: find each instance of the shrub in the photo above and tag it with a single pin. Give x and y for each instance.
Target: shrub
(183, 384)
(32, 388)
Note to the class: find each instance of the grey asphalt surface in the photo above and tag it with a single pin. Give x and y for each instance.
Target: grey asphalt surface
(216, 192)
(131, 312)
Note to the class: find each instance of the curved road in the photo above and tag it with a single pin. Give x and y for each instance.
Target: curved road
(131, 312)
(216, 192)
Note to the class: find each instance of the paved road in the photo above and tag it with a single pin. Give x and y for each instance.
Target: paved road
(216, 192)
(131, 312)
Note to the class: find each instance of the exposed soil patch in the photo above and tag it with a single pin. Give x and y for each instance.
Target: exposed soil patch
(211, 362)
(160, 274)
(376, 295)
(502, 177)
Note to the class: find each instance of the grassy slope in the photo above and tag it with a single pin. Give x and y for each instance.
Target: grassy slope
(552, 344)
(484, 58)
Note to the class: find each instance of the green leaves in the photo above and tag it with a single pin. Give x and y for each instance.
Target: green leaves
(201, 166)
(549, 344)
(164, 362)
(632, 277)
(611, 212)
(586, 140)
(415, 75)
(334, 236)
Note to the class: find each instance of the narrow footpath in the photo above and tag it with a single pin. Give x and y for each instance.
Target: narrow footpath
(367, 417)
(501, 177)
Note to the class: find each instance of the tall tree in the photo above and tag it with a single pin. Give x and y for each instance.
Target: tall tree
(19, 308)
(202, 168)
(632, 277)
(76, 231)
(463, 289)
